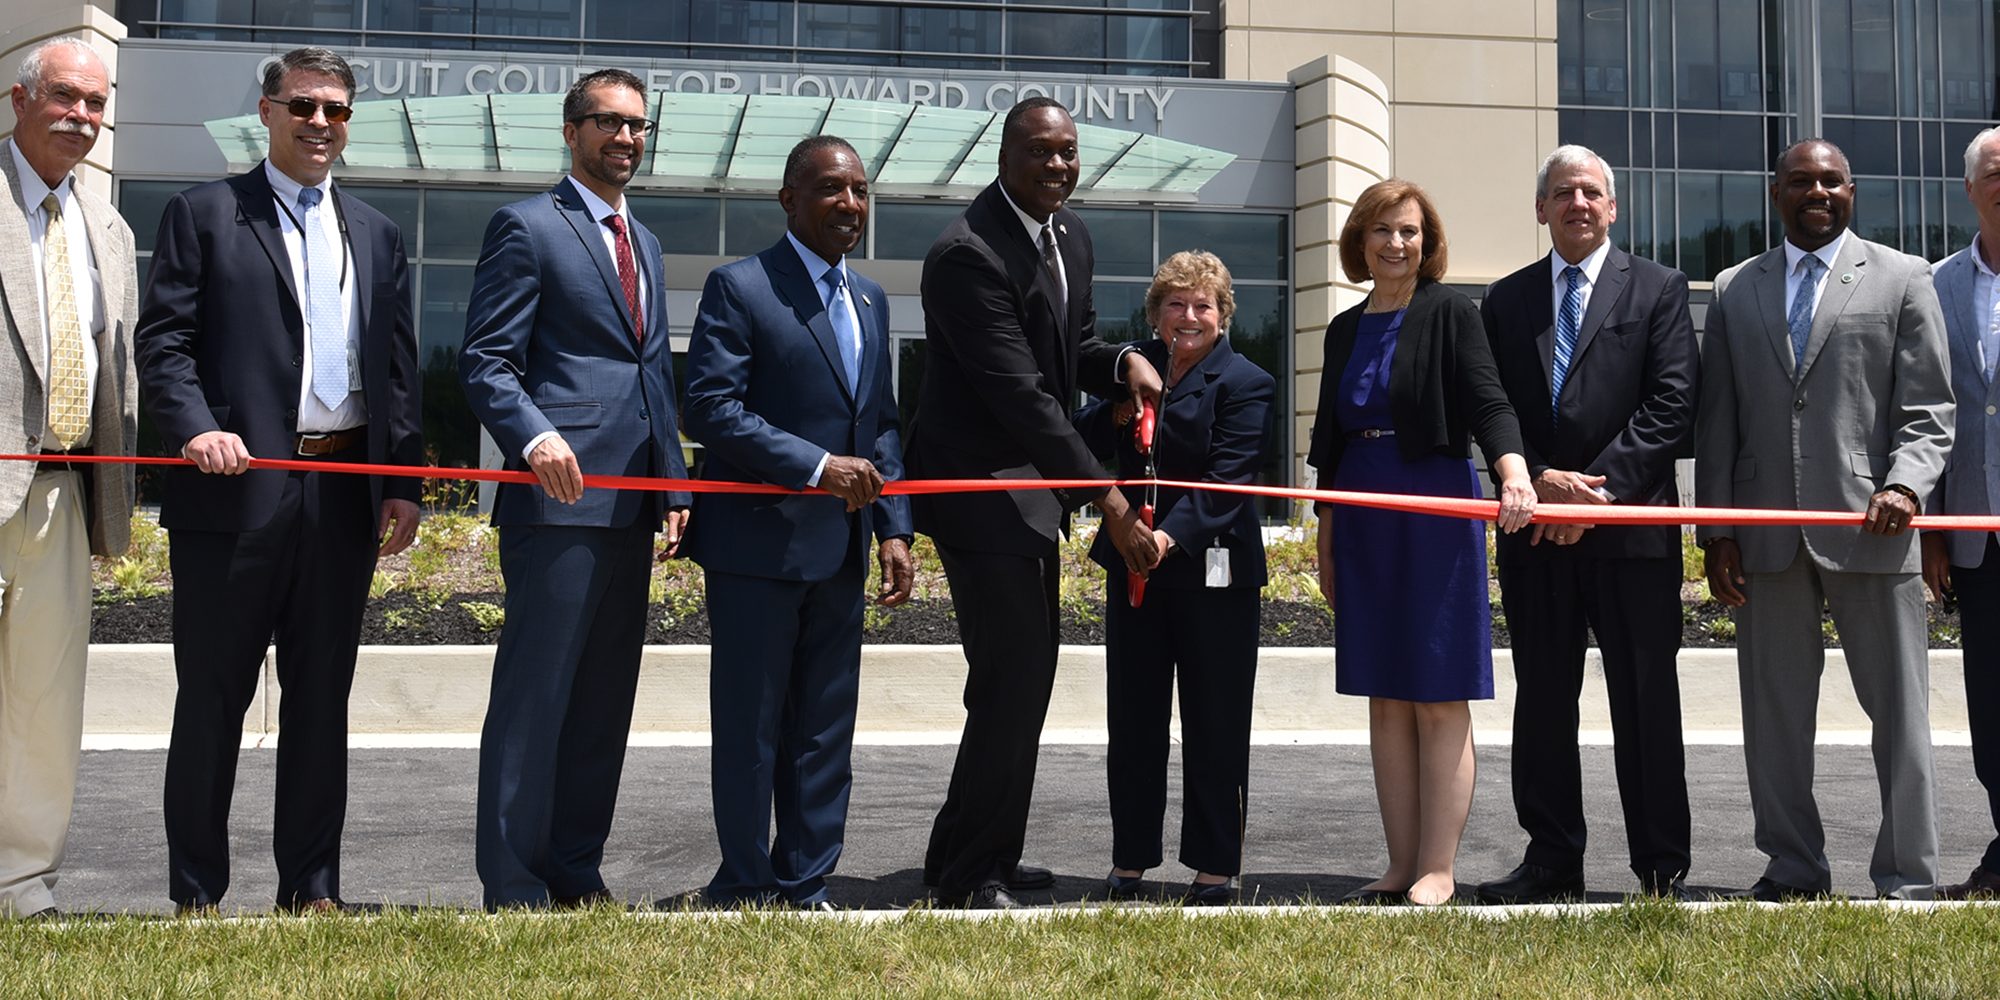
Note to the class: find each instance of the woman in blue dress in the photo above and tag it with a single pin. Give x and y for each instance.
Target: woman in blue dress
(1408, 380)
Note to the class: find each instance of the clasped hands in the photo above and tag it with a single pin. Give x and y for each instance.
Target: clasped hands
(1562, 486)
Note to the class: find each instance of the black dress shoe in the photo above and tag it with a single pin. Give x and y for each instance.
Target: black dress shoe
(1665, 885)
(327, 904)
(595, 897)
(1981, 884)
(1376, 897)
(1532, 883)
(1220, 893)
(1025, 878)
(991, 896)
(193, 909)
(45, 913)
(1118, 886)
(1768, 890)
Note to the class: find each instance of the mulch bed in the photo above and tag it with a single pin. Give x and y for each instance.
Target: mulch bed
(404, 620)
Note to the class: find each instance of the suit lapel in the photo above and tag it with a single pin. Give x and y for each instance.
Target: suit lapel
(110, 280)
(361, 244)
(1956, 281)
(1604, 293)
(18, 280)
(794, 285)
(571, 205)
(1768, 285)
(1195, 383)
(257, 207)
(874, 344)
(1542, 319)
(1850, 268)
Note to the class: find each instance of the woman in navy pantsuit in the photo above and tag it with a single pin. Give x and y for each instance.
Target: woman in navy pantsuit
(1199, 617)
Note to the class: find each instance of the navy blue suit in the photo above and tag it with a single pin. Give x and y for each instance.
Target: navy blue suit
(1212, 428)
(550, 345)
(768, 396)
(220, 346)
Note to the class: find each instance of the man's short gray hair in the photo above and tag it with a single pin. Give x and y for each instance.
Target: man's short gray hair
(1972, 150)
(1574, 156)
(36, 64)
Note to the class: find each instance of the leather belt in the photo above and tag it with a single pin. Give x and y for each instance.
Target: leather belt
(332, 442)
(1370, 433)
(53, 453)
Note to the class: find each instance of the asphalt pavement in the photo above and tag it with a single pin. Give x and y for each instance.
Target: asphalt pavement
(1313, 831)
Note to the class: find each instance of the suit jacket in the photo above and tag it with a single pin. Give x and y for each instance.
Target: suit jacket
(1627, 402)
(222, 338)
(1872, 405)
(1971, 480)
(549, 346)
(767, 396)
(1212, 428)
(1001, 376)
(23, 384)
(1443, 387)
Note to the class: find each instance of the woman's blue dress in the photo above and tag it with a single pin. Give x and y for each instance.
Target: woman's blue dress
(1411, 619)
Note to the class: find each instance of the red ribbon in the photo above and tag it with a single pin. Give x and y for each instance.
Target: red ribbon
(1478, 510)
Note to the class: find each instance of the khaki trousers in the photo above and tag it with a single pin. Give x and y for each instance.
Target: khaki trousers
(44, 635)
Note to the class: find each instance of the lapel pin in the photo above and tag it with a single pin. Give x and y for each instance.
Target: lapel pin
(1847, 279)
(1062, 229)
(865, 300)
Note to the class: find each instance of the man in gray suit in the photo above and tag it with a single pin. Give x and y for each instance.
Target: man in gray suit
(1964, 562)
(66, 385)
(1824, 387)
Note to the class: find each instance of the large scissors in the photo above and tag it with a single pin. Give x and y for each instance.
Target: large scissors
(1142, 440)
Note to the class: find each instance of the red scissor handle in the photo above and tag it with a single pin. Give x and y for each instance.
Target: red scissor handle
(1142, 439)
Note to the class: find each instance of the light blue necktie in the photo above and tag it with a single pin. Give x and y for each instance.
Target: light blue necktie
(845, 330)
(1568, 322)
(1799, 319)
(328, 335)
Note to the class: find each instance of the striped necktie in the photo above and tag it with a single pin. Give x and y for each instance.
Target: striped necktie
(1569, 321)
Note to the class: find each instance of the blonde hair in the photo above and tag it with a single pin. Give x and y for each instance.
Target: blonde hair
(1191, 270)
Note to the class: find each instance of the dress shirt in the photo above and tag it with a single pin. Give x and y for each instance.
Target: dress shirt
(816, 268)
(1793, 276)
(1591, 264)
(314, 417)
(83, 269)
(600, 210)
(1985, 308)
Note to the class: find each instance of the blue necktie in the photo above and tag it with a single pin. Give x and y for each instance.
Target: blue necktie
(1799, 319)
(845, 330)
(327, 334)
(1568, 322)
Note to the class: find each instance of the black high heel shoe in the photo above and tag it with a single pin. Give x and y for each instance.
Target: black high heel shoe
(1118, 886)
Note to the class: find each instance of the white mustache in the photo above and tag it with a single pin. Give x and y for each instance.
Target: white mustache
(85, 129)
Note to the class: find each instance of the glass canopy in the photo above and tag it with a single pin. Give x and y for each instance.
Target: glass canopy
(733, 142)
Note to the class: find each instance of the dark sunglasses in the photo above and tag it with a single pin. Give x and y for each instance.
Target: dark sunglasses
(303, 107)
(609, 124)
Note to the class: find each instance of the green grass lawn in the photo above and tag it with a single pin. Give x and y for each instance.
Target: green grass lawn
(1645, 950)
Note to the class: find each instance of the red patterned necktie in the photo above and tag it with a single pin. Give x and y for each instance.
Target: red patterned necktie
(628, 275)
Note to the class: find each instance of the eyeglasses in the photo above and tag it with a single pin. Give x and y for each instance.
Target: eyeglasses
(609, 124)
(303, 107)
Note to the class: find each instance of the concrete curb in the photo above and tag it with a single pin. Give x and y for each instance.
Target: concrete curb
(917, 690)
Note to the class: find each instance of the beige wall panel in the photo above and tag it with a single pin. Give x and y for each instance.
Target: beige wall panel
(1462, 71)
(1311, 98)
(1355, 144)
(1312, 306)
(1309, 349)
(1326, 15)
(1313, 142)
(1489, 18)
(1313, 181)
(1361, 102)
(1316, 224)
(1487, 211)
(1316, 263)
(1350, 180)
(1374, 53)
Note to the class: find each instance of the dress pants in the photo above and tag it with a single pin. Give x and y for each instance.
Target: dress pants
(783, 679)
(553, 747)
(1634, 608)
(1008, 627)
(44, 633)
(1978, 590)
(1207, 639)
(304, 576)
(1880, 618)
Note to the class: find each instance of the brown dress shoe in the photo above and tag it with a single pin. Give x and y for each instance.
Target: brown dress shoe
(1981, 884)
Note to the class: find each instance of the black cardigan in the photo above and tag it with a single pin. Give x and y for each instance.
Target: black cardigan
(1443, 384)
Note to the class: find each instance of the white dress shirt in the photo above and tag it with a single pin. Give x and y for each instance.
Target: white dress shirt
(1985, 309)
(314, 416)
(816, 268)
(82, 266)
(1592, 263)
(1794, 277)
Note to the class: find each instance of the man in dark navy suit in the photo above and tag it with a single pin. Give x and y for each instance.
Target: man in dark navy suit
(1597, 352)
(566, 364)
(788, 383)
(276, 324)
(1012, 338)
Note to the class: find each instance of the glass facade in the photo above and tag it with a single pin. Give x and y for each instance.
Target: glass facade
(1115, 37)
(444, 226)
(1691, 100)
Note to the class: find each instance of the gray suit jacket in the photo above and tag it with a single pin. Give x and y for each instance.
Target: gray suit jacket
(1872, 405)
(1971, 481)
(23, 391)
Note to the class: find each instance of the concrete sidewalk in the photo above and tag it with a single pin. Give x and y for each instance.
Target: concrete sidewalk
(911, 694)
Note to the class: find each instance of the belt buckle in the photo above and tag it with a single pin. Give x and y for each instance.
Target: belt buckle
(1371, 433)
(306, 443)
